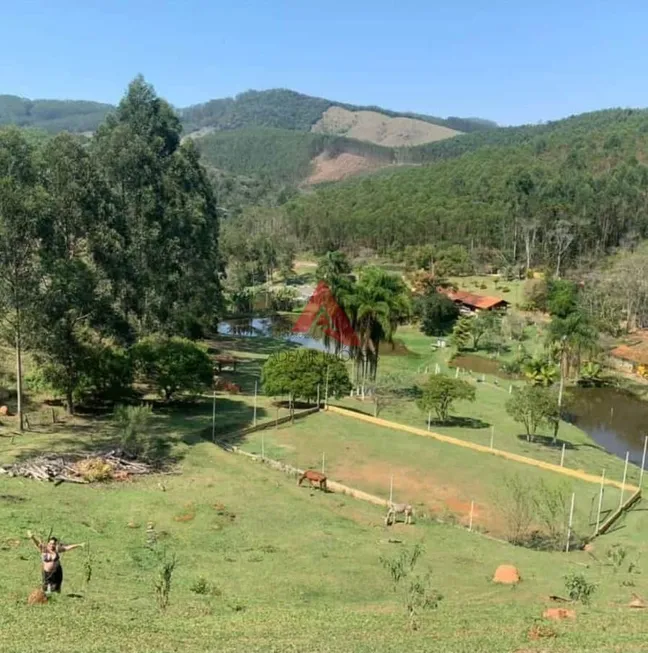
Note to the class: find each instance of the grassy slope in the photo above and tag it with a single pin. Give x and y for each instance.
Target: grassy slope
(438, 477)
(296, 570)
(303, 566)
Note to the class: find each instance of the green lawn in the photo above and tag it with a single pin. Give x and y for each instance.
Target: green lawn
(493, 286)
(439, 478)
(296, 569)
(292, 570)
(487, 411)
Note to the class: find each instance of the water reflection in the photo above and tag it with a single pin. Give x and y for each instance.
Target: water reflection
(614, 419)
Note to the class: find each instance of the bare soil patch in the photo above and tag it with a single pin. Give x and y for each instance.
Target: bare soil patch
(327, 168)
(381, 129)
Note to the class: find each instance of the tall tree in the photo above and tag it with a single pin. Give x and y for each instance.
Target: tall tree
(75, 308)
(376, 305)
(168, 279)
(21, 212)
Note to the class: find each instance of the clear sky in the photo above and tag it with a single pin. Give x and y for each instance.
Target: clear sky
(514, 61)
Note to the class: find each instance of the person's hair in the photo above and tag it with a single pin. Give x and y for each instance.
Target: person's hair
(53, 539)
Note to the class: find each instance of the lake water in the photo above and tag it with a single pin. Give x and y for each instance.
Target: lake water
(615, 419)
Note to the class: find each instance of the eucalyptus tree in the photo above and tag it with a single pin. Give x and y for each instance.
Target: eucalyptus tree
(21, 213)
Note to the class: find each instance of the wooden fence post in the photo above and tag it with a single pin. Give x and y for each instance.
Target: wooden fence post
(600, 503)
(571, 521)
(625, 473)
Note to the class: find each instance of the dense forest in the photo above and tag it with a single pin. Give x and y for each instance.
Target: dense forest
(566, 192)
(280, 155)
(279, 108)
(52, 115)
(104, 243)
(285, 109)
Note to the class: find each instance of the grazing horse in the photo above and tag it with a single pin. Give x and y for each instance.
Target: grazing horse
(315, 478)
(399, 509)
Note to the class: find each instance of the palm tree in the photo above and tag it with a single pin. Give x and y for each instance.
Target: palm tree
(332, 266)
(571, 337)
(376, 305)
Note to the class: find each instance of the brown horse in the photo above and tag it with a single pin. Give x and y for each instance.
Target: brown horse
(315, 478)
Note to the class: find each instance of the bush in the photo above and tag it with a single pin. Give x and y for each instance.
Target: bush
(440, 393)
(535, 293)
(299, 372)
(578, 589)
(133, 424)
(283, 299)
(104, 373)
(173, 365)
(438, 313)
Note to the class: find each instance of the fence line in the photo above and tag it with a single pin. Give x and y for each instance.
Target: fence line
(583, 476)
(340, 488)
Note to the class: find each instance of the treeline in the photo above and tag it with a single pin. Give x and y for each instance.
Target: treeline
(285, 109)
(569, 195)
(52, 115)
(105, 243)
(279, 155)
(539, 137)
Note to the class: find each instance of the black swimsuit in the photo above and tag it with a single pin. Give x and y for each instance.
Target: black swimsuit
(52, 580)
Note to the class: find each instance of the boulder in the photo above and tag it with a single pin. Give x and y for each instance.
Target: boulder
(507, 575)
(558, 614)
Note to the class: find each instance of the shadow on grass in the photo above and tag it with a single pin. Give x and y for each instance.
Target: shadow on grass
(173, 423)
(464, 422)
(547, 441)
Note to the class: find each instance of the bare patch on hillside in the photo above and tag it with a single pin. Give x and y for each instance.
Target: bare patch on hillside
(377, 128)
(326, 168)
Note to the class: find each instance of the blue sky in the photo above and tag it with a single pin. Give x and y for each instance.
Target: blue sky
(513, 62)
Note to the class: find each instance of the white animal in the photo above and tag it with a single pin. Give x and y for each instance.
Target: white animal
(399, 509)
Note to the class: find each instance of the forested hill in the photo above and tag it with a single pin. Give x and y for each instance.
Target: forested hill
(52, 115)
(285, 109)
(557, 193)
(279, 108)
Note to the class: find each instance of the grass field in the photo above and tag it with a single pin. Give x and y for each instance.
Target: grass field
(290, 569)
(287, 569)
(439, 478)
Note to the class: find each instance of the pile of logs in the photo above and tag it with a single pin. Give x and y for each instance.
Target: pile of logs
(65, 467)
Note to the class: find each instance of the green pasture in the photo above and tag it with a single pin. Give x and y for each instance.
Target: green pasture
(285, 568)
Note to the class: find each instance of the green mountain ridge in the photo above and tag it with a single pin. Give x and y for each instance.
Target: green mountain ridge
(280, 108)
(568, 191)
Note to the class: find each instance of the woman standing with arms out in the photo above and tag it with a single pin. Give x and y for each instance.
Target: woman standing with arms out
(51, 561)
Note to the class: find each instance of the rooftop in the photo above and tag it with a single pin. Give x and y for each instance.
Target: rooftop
(470, 299)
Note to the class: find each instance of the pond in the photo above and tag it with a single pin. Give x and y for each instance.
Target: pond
(274, 326)
(614, 419)
(280, 326)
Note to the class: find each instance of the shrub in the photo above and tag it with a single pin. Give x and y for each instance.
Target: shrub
(416, 591)
(578, 589)
(133, 424)
(438, 313)
(440, 393)
(173, 365)
(163, 580)
(200, 586)
(299, 372)
(535, 293)
(103, 373)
